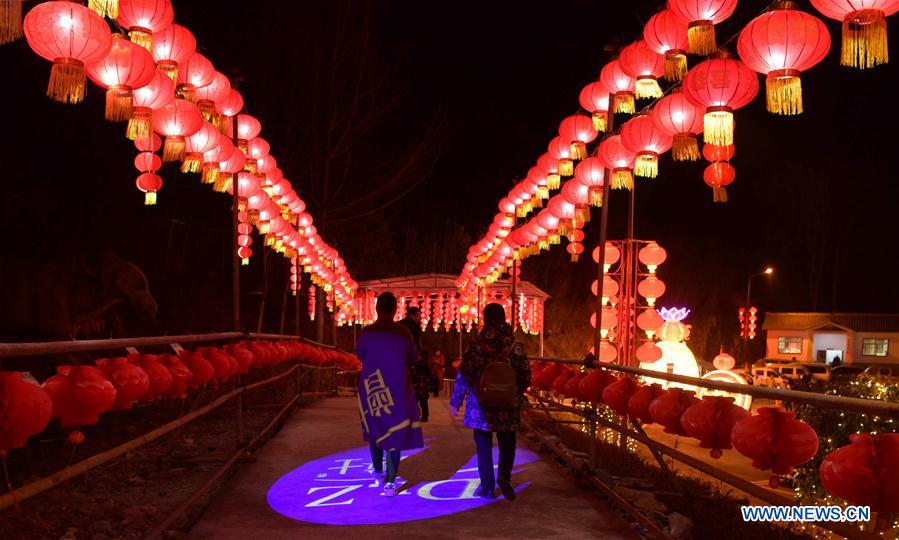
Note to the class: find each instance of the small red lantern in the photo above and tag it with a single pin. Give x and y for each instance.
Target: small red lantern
(196, 72)
(151, 143)
(155, 95)
(717, 176)
(648, 352)
(559, 383)
(149, 183)
(864, 29)
(127, 66)
(171, 47)
(642, 63)
(617, 394)
(702, 15)
(80, 394)
(619, 159)
(230, 105)
(143, 18)
(71, 36)
(176, 121)
(550, 167)
(622, 86)
(578, 130)
(248, 127)
(594, 98)
(612, 255)
(131, 381)
(200, 367)
(721, 84)
(572, 387)
(781, 44)
(666, 34)
(650, 321)
(675, 115)
(666, 410)
(651, 288)
(25, 410)
(181, 375)
(652, 255)
(213, 158)
(147, 162)
(160, 377)
(864, 472)
(593, 384)
(638, 403)
(773, 439)
(711, 421)
(641, 136)
(715, 152)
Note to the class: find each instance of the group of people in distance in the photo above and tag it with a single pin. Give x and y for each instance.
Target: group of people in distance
(490, 382)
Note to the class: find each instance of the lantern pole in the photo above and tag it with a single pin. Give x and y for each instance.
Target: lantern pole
(514, 314)
(235, 275)
(299, 284)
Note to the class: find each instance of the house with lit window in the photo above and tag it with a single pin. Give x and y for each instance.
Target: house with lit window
(856, 338)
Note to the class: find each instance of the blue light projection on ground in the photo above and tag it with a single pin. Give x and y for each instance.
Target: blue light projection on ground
(339, 490)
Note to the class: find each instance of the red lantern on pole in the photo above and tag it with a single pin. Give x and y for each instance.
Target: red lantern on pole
(675, 115)
(550, 167)
(711, 421)
(71, 36)
(639, 61)
(718, 176)
(666, 34)
(702, 15)
(561, 152)
(171, 47)
(127, 66)
(721, 85)
(578, 130)
(143, 18)
(230, 105)
(781, 44)
(594, 98)
(864, 29)
(773, 439)
(155, 95)
(149, 183)
(248, 127)
(622, 86)
(176, 121)
(619, 159)
(25, 410)
(212, 160)
(865, 472)
(641, 136)
(195, 72)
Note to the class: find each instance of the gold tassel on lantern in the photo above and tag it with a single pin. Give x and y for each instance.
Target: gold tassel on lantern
(685, 147)
(521, 211)
(647, 165)
(648, 88)
(142, 37)
(784, 92)
(596, 196)
(119, 103)
(624, 103)
(150, 198)
(169, 68)
(719, 195)
(864, 39)
(675, 65)
(553, 180)
(208, 109)
(222, 182)
(173, 149)
(187, 92)
(599, 120)
(140, 125)
(582, 214)
(10, 20)
(210, 173)
(542, 194)
(112, 8)
(701, 38)
(98, 7)
(574, 257)
(193, 163)
(622, 179)
(718, 126)
(578, 150)
(67, 81)
(566, 167)
(555, 238)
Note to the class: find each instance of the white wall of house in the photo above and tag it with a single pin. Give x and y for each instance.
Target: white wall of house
(771, 348)
(892, 356)
(835, 341)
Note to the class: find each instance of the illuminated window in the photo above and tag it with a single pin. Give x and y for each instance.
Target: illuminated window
(875, 347)
(789, 345)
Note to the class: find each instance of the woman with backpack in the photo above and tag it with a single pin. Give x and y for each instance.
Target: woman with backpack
(492, 379)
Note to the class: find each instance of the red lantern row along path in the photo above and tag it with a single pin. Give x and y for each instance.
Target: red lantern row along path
(174, 100)
(865, 472)
(79, 395)
(780, 44)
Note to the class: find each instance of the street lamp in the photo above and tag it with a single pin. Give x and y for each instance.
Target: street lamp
(766, 272)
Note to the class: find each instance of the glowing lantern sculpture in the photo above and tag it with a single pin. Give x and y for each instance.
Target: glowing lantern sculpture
(158, 93)
(864, 29)
(71, 36)
(127, 66)
(143, 18)
(25, 410)
(676, 357)
(171, 47)
(718, 176)
(642, 63)
(195, 72)
(80, 394)
(176, 121)
(864, 472)
(773, 439)
(594, 98)
(702, 16)
(781, 44)
(641, 136)
(676, 116)
(666, 34)
(578, 130)
(619, 159)
(10, 20)
(622, 86)
(198, 144)
(721, 85)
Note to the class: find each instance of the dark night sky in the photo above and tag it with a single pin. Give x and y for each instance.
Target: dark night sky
(499, 76)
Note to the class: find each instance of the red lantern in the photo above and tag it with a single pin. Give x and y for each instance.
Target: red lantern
(71, 36)
(160, 377)
(147, 162)
(127, 66)
(864, 472)
(702, 15)
(641, 136)
(667, 409)
(213, 158)
(248, 128)
(721, 84)
(544, 380)
(80, 394)
(714, 152)
(622, 86)
(200, 367)
(612, 255)
(593, 384)
(617, 394)
(575, 249)
(561, 152)
(155, 95)
(244, 254)
(638, 403)
(640, 62)
(230, 105)
(781, 44)
(149, 183)
(648, 352)
(207, 97)
(171, 47)
(571, 387)
(864, 29)
(196, 72)
(227, 169)
(181, 375)
(676, 116)
(591, 173)
(198, 144)
(578, 130)
(651, 288)
(10, 21)
(610, 288)
(131, 382)
(143, 18)
(243, 356)
(619, 159)
(550, 167)
(25, 410)
(151, 143)
(652, 255)
(711, 421)
(578, 194)
(176, 121)
(650, 321)
(773, 439)
(594, 98)
(717, 176)
(559, 383)
(666, 34)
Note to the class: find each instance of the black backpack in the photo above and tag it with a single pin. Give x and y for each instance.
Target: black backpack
(498, 386)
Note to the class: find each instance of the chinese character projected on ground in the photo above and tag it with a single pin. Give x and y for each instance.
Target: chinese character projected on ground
(339, 490)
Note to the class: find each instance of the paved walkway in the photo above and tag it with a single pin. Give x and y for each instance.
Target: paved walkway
(311, 481)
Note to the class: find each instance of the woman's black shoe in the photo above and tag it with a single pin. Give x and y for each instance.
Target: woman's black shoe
(483, 493)
(507, 490)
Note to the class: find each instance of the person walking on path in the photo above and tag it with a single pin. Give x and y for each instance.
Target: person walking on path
(438, 367)
(421, 371)
(387, 406)
(492, 379)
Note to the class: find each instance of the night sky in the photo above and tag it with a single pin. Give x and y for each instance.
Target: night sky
(467, 97)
